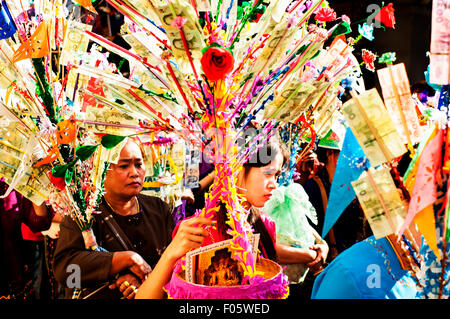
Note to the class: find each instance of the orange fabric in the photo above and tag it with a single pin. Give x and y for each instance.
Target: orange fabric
(426, 223)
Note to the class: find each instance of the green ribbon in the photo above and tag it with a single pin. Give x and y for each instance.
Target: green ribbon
(259, 9)
(44, 90)
(82, 153)
(67, 170)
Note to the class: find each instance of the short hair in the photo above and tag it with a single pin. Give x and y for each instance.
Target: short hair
(422, 86)
(138, 142)
(322, 153)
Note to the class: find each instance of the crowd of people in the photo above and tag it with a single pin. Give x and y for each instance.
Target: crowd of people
(140, 240)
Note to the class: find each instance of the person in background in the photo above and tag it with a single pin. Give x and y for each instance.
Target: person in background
(351, 226)
(370, 269)
(307, 166)
(423, 91)
(18, 276)
(53, 289)
(34, 250)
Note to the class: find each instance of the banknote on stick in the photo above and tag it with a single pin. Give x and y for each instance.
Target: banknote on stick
(373, 128)
(380, 200)
(167, 12)
(290, 97)
(399, 103)
(440, 43)
(75, 40)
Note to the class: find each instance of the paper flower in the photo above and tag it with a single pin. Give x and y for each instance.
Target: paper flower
(217, 62)
(369, 59)
(66, 131)
(387, 57)
(346, 19)
(386, 16)
(342, 28)
(59, 182)
(325, 14)
(178, 22)
(366, 31)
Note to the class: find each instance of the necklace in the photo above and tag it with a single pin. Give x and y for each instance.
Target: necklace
(386, 261)
(137, 205)
(405, 260)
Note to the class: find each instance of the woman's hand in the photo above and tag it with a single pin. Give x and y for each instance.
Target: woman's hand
(188, 196)
(52, 232)
(315, 258)
(322, 251)
(132, 260)
(317, 264)
(139, 266)
(190, 235)
(127, 285)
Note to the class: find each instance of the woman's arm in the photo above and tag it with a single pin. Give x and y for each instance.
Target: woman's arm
(206, 181)
(152, 287)
(190, 235)
(37, 218)
(293, 255)
(41, 210)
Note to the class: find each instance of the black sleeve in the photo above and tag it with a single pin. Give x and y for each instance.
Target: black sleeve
(70, 250)
(170, 222)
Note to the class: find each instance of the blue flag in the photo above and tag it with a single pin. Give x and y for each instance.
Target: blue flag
(7, 26)
(350, 165)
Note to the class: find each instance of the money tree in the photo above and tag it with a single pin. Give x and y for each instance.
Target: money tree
(202, 72)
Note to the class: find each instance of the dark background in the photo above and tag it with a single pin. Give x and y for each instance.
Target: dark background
(410, 39)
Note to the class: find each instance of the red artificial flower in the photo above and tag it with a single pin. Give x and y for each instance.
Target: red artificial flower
(325, 14)
(369, 59)
(59, 182)
(386, 16)
(217, 62)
